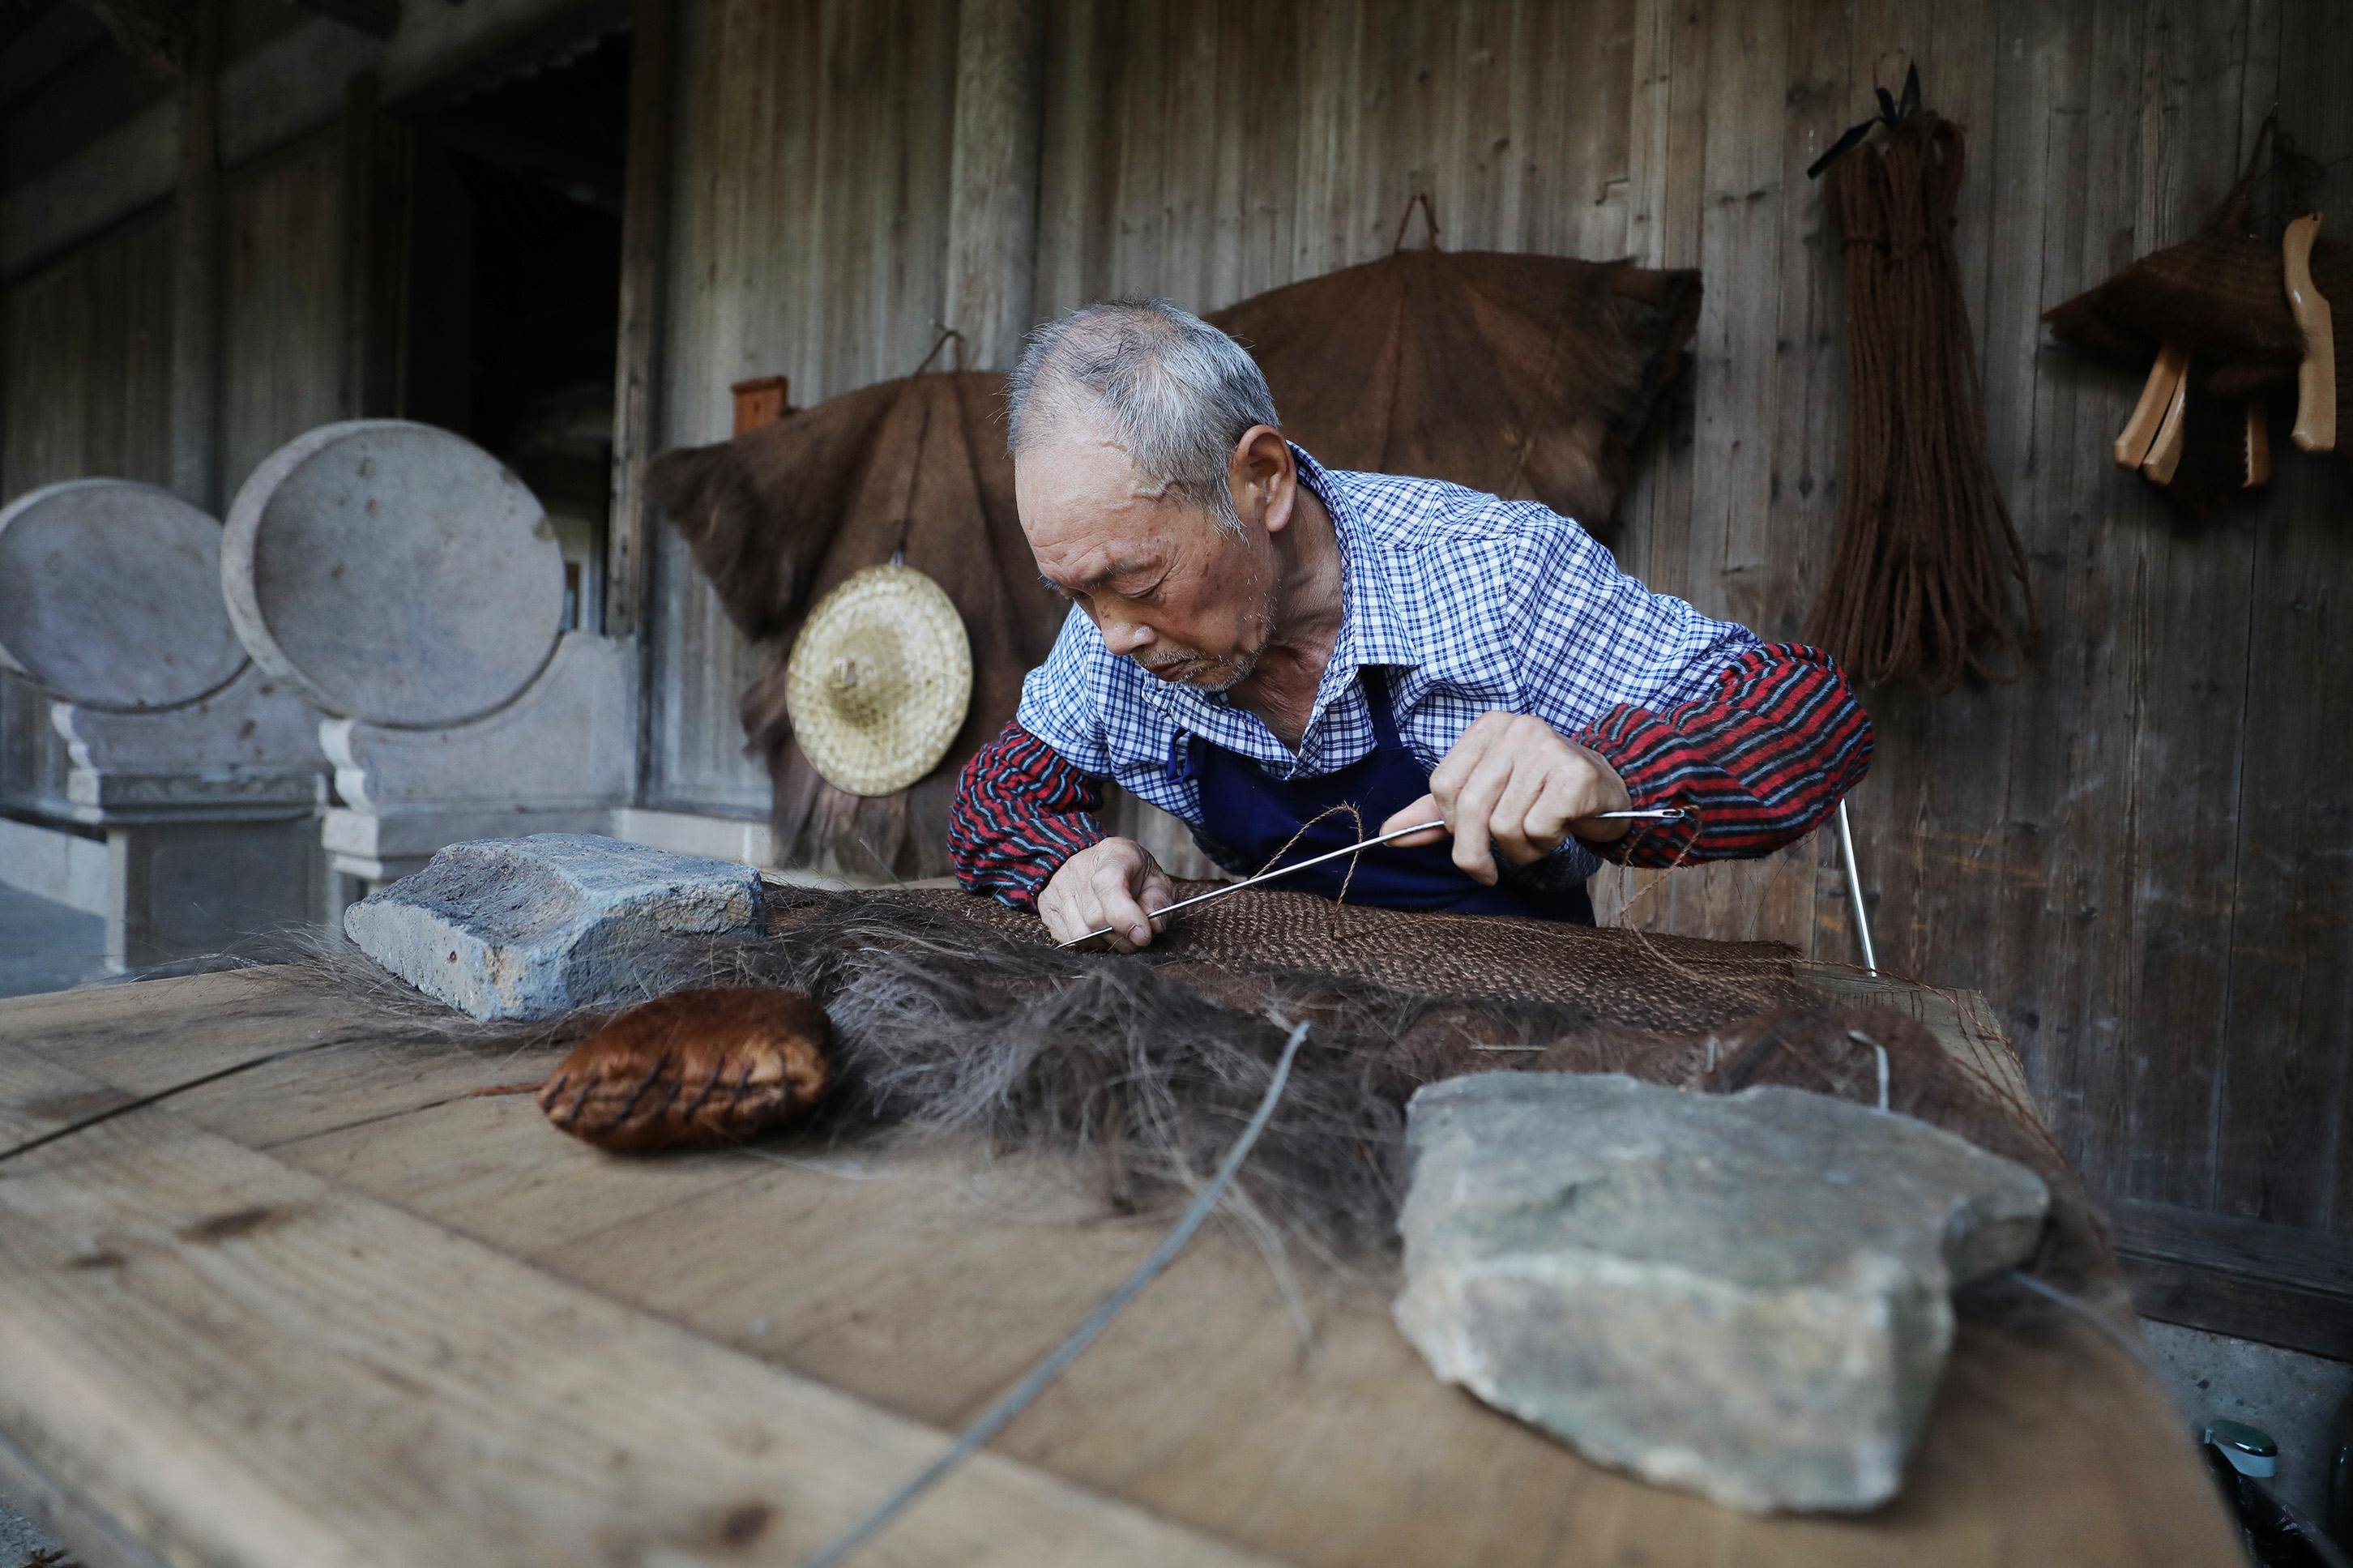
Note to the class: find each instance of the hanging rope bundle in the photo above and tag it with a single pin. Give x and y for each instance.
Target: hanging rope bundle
(1921, 590)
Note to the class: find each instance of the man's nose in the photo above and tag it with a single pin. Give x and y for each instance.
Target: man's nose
(1123, 636)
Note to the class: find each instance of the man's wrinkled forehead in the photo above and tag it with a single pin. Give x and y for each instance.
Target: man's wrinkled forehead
(1085, 491)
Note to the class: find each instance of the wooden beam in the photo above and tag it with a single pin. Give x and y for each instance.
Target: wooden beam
(196, 271)
(2243, 1277)
(376, 18)
(645, 251)
(374, 196)
(992, 263)
(291, 85)
(42, 41)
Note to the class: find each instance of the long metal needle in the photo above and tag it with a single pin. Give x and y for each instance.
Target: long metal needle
(1664, 814)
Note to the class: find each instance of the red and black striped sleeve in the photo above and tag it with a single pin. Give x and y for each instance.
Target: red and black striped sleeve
(1761, 759)
(1020, 810)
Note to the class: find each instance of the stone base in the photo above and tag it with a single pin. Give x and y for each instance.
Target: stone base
(568, 741)
(250, 750)
(175, 888)
(64, 863)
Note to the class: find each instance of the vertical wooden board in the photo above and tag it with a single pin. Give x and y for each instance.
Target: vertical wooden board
(1663, 143)
(2066, 728)
(2287, 1152)
(1808, 406)
(1986, 901)
(85, 369)
(282, 336)
(1579, 83)
(1719, 556)
(1273, 119)
(1969, 898)
(808, 240)
(2192, 640)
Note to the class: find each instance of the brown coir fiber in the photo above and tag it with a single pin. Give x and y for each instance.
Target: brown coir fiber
(954, 1017)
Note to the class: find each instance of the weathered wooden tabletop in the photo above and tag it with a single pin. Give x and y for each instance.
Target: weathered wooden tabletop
(338, 1311)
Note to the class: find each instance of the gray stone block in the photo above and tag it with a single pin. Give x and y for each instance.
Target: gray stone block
(534, 926)
(1747, 1296)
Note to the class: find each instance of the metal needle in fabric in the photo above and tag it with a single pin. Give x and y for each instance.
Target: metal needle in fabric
(1663, 814)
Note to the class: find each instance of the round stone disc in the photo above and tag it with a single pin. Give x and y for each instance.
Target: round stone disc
(393, 573)
(110, 595)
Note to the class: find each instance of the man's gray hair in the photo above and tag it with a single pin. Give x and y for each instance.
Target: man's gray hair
(1179, 393)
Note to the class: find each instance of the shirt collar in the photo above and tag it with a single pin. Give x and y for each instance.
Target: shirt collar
(1374, 626)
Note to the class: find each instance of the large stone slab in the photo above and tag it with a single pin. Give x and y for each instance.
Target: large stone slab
(1747, 1296)
(393, 573)
(111, 598)
(534, 926)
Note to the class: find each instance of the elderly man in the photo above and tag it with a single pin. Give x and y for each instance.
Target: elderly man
(1289, 658)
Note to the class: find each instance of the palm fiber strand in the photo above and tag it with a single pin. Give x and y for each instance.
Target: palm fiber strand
(953, 1017)
(1929, 586)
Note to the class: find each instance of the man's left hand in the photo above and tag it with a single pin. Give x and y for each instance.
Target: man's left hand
(1513, 785)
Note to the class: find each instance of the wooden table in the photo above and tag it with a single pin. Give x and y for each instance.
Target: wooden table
(338, 1311)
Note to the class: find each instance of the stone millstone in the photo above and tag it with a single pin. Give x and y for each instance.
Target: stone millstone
(1747, 1296)
(535, 926)
(110, 595)
(392, 573)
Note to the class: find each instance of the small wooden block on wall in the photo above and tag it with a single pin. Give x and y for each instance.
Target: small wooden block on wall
(763, 400)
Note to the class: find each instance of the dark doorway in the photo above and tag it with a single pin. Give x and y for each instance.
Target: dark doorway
(514, 271)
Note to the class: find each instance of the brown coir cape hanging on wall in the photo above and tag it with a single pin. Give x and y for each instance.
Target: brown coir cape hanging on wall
(1523, 376)
(781, 515)
(1929, 586)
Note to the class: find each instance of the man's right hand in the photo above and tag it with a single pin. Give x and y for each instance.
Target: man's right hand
(1116, 884)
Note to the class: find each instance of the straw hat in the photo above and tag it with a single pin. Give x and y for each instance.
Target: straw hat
(879, 680)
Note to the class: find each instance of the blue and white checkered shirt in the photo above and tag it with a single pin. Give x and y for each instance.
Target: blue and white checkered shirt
(1477, 603)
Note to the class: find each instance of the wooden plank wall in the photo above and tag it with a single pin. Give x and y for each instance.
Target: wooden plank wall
(85, 374)
(85, 356)
(2140, 853)
(282, 340)
(85, 388)
(808, 238)
(85, 366)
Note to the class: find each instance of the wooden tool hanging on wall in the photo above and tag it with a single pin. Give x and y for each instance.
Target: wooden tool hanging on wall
(2322, 379)
(1929, 586)
(2222, 320)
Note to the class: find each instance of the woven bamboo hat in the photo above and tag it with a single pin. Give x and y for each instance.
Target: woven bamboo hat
(879, 680)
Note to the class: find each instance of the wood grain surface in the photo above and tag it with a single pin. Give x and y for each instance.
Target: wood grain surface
(2138, 853)
(339, 1309)
(237, 1363)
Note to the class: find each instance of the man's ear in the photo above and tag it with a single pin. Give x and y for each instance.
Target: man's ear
(1263, 478)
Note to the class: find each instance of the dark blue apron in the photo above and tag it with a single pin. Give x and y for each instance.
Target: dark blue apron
(1248, 815)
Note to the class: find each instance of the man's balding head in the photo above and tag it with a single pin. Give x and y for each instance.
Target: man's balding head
(1175, 393)
(1153, 484)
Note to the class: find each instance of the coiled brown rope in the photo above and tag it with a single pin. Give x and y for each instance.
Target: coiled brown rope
(1921, 590)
